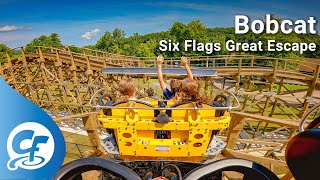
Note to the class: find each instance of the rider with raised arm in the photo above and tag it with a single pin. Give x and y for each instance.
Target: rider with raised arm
(174, 83)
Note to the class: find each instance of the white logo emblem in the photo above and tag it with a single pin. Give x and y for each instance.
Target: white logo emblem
(30, 146)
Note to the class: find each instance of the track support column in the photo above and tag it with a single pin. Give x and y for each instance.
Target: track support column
(90, 124)
(272, 80)
(310, 92)
(238, 78)
(236, 125)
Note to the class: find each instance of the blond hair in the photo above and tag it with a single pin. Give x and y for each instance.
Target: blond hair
(127, 87)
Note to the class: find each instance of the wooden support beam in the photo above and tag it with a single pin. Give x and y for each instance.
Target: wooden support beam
(255, 102)
(207, 62)
(310, 92)
(276, 100)
(89, 72)
(90, 125)
(224, 82)
(287, 176)
(105, 60)
(287, 123)
(261, 160)
(236, 125)
(238, 78)
(41, 57)
(73, 117)
(9, 63)
(58, 64)
(268, 153)
(47, 89)
(275, 67)
(252, 61)
(257, 149)
(206, 85)
(293, 131)
(23, 56)
(259, 141)
(292, 91)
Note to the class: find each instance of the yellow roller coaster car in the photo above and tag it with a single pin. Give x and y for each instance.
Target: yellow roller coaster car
(150, 129)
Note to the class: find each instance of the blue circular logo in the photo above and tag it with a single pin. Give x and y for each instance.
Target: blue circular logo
(35, 147)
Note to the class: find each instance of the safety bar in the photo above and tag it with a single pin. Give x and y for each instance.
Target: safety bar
(163, 108)
(304, 119)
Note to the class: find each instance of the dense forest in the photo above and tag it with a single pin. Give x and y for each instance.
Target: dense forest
(148, 44)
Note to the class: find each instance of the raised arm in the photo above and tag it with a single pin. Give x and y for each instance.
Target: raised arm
(184, 62)
(160, 77)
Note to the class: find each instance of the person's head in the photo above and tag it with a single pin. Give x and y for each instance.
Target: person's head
(127, 88)
(175, 85)
(190, 90)
(150, 92)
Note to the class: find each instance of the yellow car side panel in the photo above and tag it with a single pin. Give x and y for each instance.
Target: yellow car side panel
(190, 132)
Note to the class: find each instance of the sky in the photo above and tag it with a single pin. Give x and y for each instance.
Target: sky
(80, 22)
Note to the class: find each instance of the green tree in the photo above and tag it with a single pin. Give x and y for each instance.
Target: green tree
(118, 35)
(179, 31)
(148, 44)
(104, 42)
(111, 42)
(53, 40)
(3, 50)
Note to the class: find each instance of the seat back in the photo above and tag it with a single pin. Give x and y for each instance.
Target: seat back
(179, 113)
(151, 100)
(146, 112)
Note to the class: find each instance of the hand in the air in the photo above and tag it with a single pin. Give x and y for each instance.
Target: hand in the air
(159, 60)
(184, 61)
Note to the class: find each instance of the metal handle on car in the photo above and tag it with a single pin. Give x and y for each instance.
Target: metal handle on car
(304, 119)
(235, 98)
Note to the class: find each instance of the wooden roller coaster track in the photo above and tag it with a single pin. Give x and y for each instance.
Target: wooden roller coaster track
(63, 80)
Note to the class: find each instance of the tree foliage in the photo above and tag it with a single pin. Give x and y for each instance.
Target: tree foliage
(3, 50)
(53, 40)
(148, 44)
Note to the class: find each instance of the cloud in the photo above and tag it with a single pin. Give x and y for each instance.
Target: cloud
(88, 35)
(8, 28)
